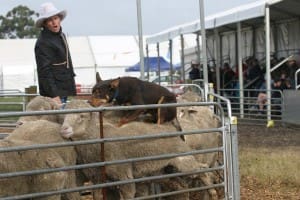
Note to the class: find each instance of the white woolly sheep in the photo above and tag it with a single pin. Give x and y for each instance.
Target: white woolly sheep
(197, 118)
(30, 160)
(41, 132)
(40, 103)
(85, 126)
(189, 96)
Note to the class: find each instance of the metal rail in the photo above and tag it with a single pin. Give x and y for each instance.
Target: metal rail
(224, 148)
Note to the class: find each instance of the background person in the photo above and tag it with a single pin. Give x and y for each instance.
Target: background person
(195, 71)
(54, 64)
(275, 94)
(228, 76)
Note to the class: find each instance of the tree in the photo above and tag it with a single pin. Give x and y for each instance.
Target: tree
(18, 23)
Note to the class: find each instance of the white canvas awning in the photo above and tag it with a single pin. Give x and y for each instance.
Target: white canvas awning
(251, 13)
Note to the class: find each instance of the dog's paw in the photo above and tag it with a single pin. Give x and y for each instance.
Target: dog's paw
(122, 122)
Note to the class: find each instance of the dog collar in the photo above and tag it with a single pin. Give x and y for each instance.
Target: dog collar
(116, 94)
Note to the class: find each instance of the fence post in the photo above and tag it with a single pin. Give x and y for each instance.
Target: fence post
(234, 158)
(30, 90)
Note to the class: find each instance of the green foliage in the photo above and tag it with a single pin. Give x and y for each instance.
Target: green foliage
(18, 23)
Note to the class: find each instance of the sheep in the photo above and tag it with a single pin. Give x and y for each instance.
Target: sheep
(192, 118)
(145, 189)
(201, 117)
(46, 132)
(189, 96)
(85, 126)
(195, 118)
(40, 103)
(30, 160)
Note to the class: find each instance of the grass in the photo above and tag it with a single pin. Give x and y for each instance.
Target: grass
(10, 104)
(272, 172)
(272, 164)
(14, 106)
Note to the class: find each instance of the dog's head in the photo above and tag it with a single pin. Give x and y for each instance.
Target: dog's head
(104, 91)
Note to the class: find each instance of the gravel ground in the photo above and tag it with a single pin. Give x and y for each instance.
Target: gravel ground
(259, 135)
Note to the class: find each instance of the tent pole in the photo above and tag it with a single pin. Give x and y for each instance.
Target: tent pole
(268, 71)
(140, 32)
(203, 45)
(240, 67)
(147, 62)
(158, 61)
(182, 58)
(171, 59)
(217, 58)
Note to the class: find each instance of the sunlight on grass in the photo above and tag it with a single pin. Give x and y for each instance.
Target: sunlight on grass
(271, 165)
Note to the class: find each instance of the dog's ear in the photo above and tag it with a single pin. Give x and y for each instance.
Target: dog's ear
(115, 83)
(98, 78)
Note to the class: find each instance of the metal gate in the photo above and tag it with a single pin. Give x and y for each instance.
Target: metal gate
(228, 149)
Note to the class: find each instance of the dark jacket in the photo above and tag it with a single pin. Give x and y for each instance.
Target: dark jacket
(194, 73)
(54, 65)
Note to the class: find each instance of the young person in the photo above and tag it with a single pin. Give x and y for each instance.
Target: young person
(54, 65)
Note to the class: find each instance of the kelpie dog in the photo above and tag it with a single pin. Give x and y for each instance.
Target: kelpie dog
(133, 91)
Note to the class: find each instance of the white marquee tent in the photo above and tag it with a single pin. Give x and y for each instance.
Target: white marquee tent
(107, 54)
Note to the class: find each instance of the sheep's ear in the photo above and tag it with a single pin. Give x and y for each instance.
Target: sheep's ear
(98, 78)
(115, 83)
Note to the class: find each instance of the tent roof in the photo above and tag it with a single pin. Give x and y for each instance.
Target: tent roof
(251, 13)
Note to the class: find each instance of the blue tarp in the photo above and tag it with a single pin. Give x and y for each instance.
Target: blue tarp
(153, 64)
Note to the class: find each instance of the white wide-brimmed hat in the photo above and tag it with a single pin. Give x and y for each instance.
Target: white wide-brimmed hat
(48, 10)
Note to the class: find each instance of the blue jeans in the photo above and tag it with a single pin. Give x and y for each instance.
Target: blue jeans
(63, 101)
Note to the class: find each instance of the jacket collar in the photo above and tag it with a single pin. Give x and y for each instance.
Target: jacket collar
(48, 32)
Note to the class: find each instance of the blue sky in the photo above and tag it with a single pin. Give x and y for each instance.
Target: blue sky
(119, 17)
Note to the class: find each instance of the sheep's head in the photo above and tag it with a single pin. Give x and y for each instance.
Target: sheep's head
(186, 112)
(42, 103)
(39, 103)
(189, 96)
(79, 126)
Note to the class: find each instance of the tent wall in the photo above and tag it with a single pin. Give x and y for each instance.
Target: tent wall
(288, 38)
(210, 50)
(247, 47)
(228, 44)
(287, 42)
(284, 39)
